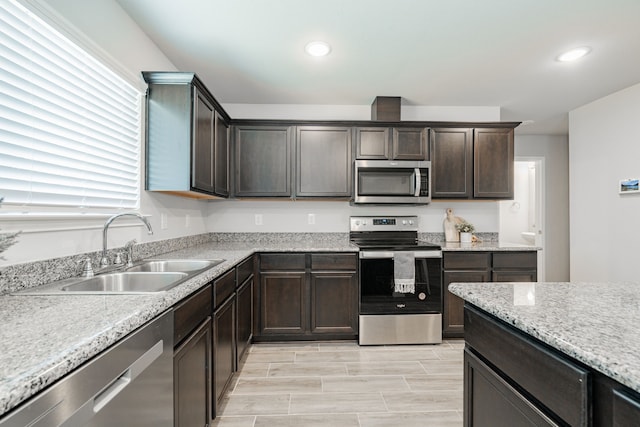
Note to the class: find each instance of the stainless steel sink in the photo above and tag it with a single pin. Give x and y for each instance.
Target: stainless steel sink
(127, 282)
(178, 265)
(148, 276)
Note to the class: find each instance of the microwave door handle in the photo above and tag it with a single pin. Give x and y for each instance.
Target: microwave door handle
(418, 180)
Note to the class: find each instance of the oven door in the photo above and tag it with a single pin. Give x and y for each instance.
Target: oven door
(377, 294)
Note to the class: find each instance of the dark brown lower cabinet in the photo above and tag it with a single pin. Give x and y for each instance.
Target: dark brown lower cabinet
(224, 356)
(283, 305)
(192, 379)
(244, 307)
(512, 379)
(480, 266)
(192, 360)
(334, 302)
(490, 401)
(308, 296)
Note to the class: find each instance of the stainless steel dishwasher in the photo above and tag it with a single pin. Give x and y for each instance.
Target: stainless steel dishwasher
(130, 384)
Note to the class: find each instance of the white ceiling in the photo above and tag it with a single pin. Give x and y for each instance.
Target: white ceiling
(429, 52)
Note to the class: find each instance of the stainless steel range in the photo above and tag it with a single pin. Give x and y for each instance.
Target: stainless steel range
(400, 282)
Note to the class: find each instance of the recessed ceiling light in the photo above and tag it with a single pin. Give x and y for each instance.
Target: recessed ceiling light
(317, 48)
(574, 54)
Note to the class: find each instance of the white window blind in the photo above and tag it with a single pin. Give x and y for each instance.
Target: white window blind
(69, 126)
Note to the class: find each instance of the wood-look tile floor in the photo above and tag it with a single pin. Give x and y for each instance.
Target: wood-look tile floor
(343, 384)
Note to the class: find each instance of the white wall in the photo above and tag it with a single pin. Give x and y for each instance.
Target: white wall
(554, 149)
(604, 147)
(110, 28)
(290, 216)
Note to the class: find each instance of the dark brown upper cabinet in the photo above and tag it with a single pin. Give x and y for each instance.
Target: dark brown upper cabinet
(323, 161)
(493, 163)
(263, 161)
(398, 143)
(187, 137)
(451, 163)
(472, 163)
(221, 157)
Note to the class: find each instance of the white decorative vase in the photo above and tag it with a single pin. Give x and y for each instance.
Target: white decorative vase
(465, 237)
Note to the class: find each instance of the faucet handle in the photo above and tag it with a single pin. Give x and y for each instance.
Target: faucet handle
(129, 246)
(87, 268)
(118, 259)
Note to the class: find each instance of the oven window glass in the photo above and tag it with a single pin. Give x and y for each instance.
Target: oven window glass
(386, 182)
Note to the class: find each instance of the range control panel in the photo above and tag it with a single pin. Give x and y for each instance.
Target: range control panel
(384, 223)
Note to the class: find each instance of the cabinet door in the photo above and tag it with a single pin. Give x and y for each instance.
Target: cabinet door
(372, 143)
(451, 163)
(283, 303)
(244, 331)
(224, 356)
(453, 310)
(323, 167)
(263, 161)
(626, 409)
(192, 378)
(490, 401)
(334, 303)
(202, 173)
(493, 163)
(410, 144)
(221, 158)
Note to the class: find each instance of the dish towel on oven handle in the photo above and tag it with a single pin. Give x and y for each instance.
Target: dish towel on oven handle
(404, 272)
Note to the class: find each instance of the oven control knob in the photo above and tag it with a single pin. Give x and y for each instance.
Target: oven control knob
(422, 296)
(357, 222)
(404, 222)
(410, 222)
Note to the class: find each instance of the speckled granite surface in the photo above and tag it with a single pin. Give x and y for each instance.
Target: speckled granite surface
(46, 337)
(595, 323)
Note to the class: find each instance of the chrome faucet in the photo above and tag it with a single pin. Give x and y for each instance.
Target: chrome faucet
(104, 261)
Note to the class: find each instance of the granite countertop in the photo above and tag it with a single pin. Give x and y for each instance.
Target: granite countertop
(486, 246)
(46, 337)
(595, 323)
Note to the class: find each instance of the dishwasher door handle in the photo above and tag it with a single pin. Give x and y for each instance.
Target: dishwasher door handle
(95, 404)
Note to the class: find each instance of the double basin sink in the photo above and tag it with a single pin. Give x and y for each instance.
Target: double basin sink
(148, 276)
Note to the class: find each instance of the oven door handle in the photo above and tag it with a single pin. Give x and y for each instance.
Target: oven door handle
(418, 182)
(389, 254)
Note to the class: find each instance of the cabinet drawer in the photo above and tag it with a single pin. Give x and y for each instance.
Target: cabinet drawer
(189, 313)
(466, 260)
(333, 262)
(558, 383)
(488, 396)
(626, 409)
(282, 261)
(224, 286)
(244, 270)
(515, 260)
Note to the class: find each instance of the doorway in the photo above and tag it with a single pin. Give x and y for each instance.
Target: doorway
(522, 219)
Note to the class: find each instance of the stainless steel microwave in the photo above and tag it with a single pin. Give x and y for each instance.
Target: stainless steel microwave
(392, 182)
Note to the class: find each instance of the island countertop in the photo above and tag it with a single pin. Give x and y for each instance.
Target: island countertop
(594, 323)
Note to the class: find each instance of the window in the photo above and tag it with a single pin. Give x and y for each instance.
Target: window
(69, 126)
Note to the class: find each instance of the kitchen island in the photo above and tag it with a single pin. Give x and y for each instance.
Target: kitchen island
(551, 353)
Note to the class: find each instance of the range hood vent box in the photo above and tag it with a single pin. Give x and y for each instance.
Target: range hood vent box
(386, 109)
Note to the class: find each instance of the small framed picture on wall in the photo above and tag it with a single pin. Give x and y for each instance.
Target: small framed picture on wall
(629, 185)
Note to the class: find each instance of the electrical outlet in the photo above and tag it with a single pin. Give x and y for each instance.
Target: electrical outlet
(311, 219)
(258, 219)
(163, 221)
(187, 221)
